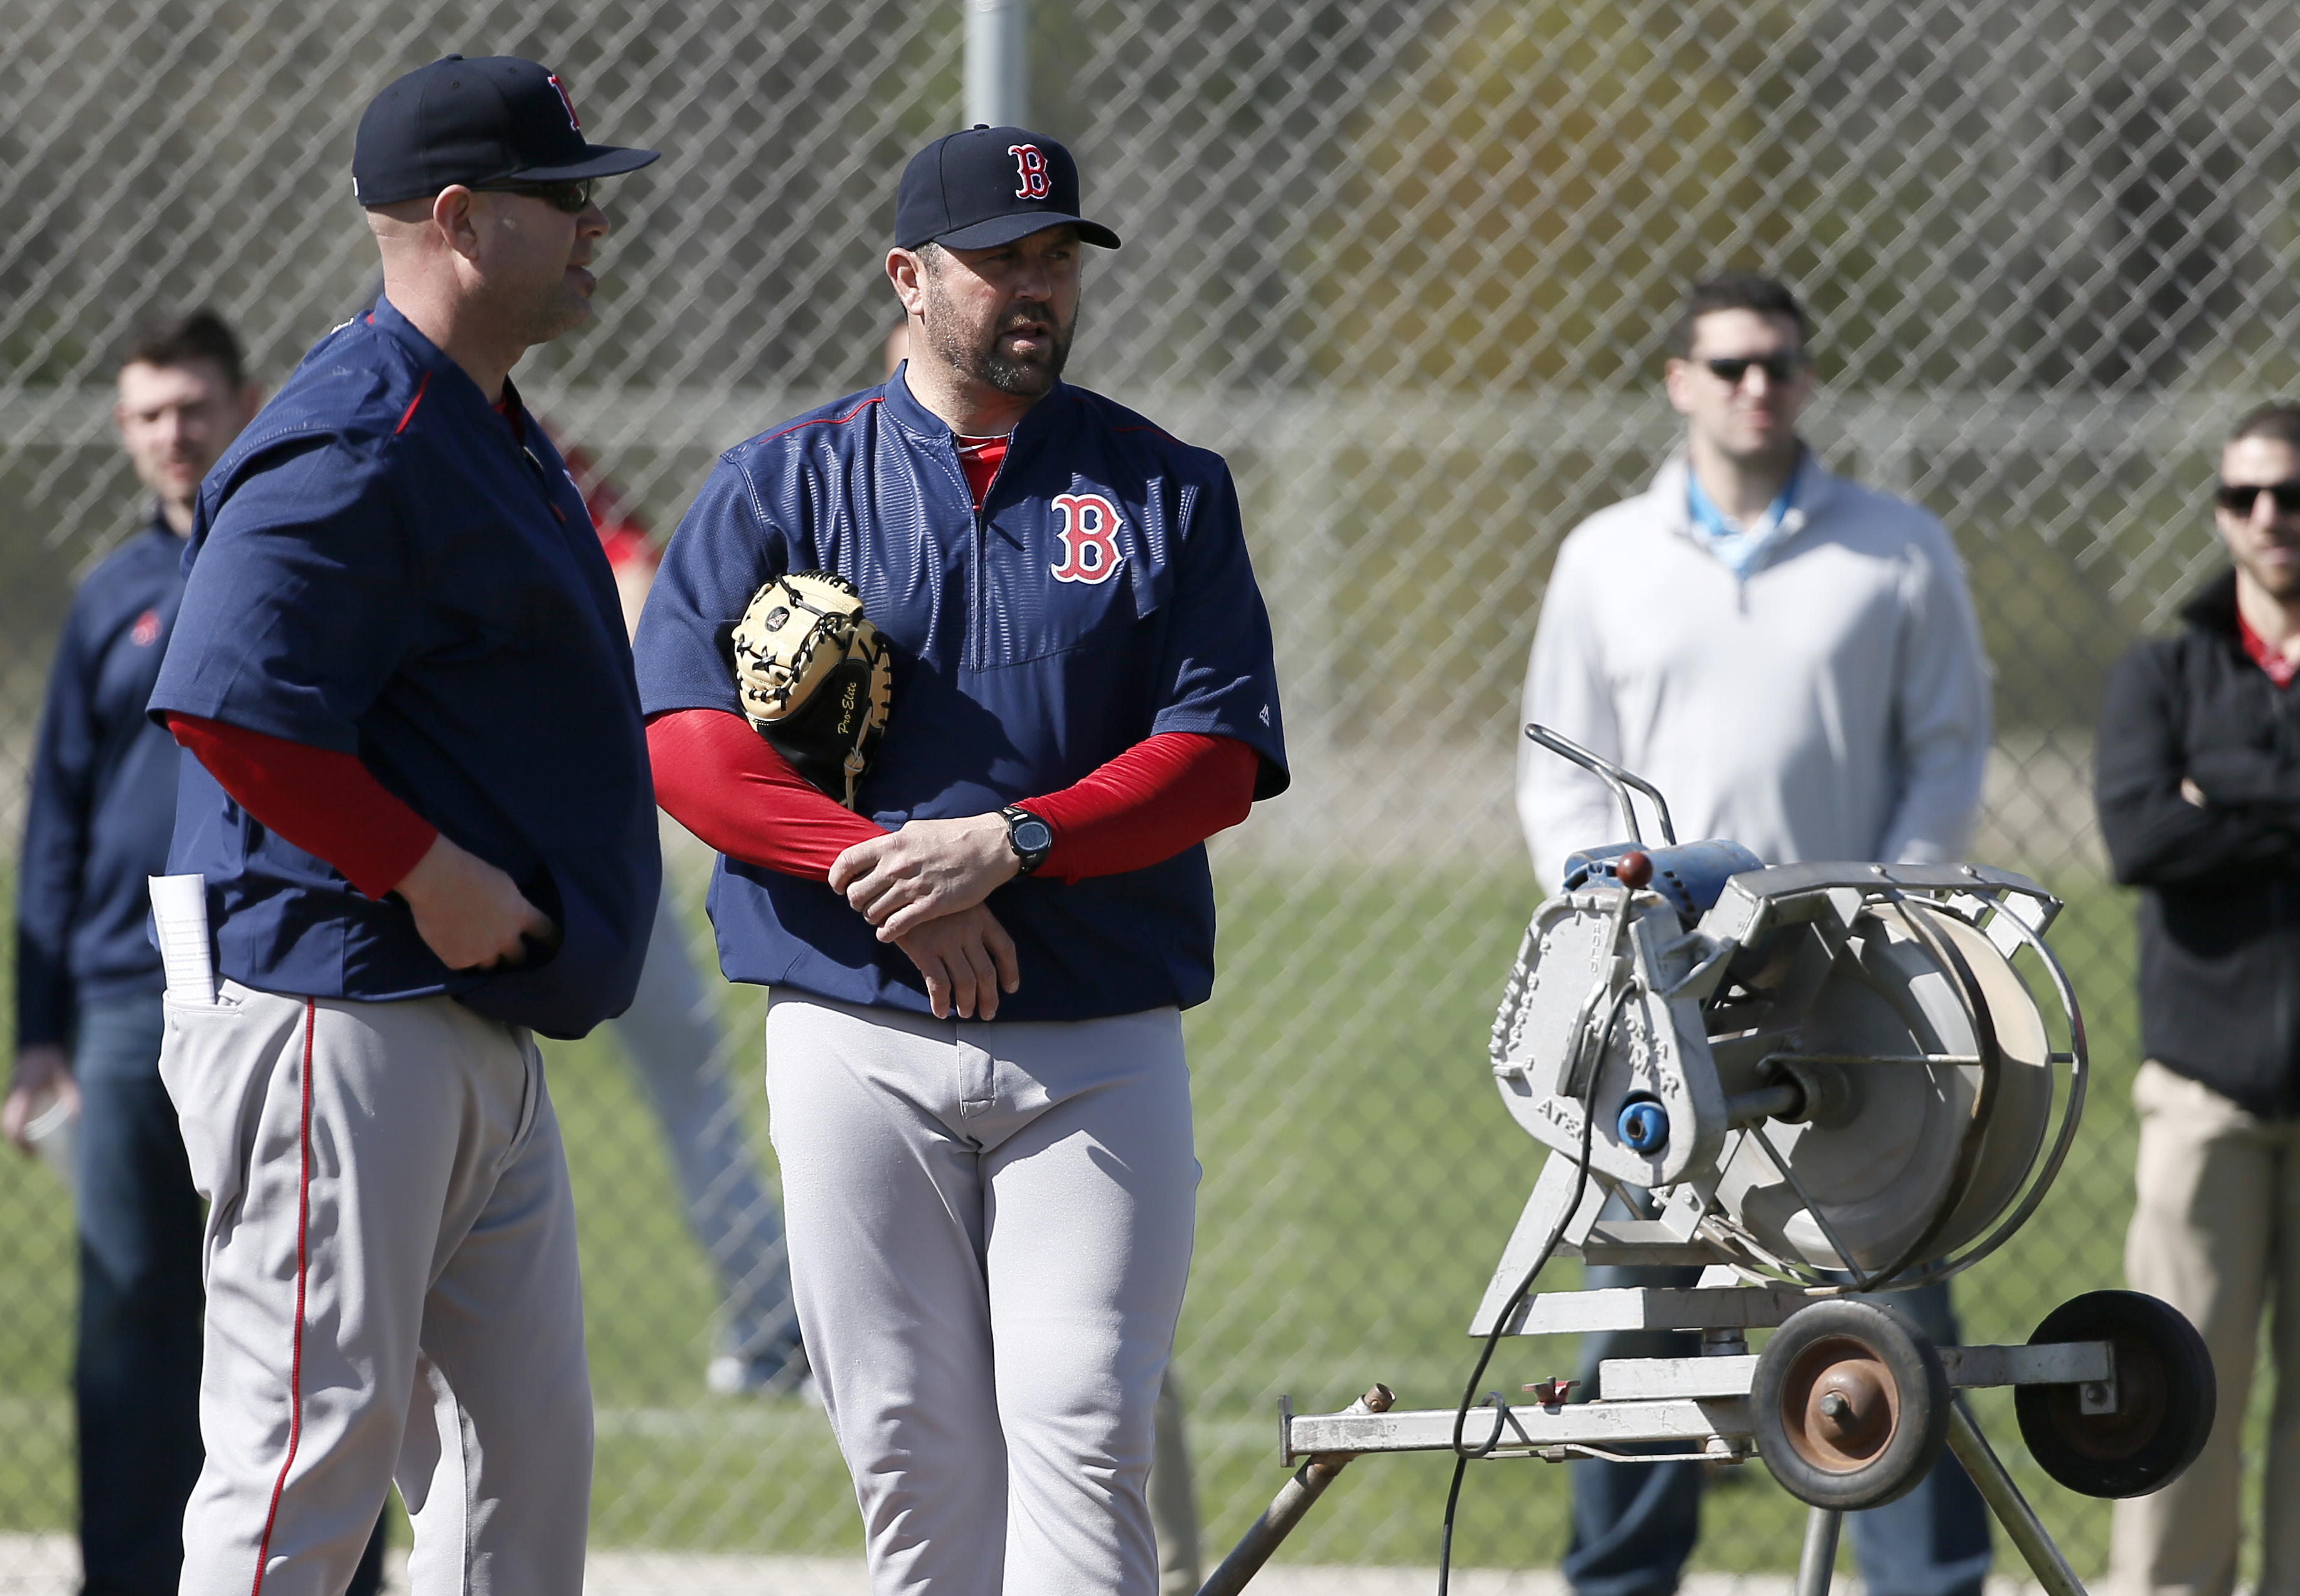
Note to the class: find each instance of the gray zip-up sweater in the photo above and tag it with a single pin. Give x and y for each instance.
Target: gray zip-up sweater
(1832, 705)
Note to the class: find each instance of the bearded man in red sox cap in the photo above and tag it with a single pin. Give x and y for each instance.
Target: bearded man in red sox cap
(974, 1045)
(422, 807)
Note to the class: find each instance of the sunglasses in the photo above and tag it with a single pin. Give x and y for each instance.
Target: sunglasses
(1779, 369)
(2238, 499)
(574, 198)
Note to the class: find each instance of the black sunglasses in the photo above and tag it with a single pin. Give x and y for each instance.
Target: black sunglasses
(2238, 499)
(573, 197)
(1778, 369)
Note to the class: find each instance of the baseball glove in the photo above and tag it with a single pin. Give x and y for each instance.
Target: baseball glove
(815, 678)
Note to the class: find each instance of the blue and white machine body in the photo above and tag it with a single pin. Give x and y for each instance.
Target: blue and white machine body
(1812, 1072)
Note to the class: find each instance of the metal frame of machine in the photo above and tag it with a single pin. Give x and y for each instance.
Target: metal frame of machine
(1819, 1082)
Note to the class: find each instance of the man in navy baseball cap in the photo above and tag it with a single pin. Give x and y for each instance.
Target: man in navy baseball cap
(974, 1047)
(420, 801)
(498, 122)
(484, 161)
(988, 231)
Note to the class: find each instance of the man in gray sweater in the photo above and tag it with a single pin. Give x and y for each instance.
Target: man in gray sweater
(1793, 659)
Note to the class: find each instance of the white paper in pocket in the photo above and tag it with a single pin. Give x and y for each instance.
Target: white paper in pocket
(180, 911)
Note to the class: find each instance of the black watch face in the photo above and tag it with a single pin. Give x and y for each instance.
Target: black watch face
(1033, 836)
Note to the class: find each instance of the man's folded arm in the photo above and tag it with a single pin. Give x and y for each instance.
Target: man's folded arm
(2156, 835)
(724, 783)
(1167, 792)
(327, 803)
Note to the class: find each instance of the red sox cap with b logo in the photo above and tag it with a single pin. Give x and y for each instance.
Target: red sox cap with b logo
(498, 118)
(988, 187)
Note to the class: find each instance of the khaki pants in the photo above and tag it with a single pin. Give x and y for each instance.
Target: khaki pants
(2216, 1233)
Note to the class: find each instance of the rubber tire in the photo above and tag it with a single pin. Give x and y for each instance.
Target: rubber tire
(1809, 1342)
(2165, 1396)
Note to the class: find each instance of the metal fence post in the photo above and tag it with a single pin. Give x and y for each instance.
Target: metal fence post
(997, 63)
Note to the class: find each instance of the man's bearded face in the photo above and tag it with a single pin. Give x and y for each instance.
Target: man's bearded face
(1018, 345)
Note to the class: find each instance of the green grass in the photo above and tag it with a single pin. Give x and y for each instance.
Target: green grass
(37, 1268)
(1360, 1180)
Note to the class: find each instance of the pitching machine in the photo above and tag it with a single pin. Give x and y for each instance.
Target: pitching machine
(1819, 1083)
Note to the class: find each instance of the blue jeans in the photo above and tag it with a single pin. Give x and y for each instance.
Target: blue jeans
(1633, 1524)
(135, 1381)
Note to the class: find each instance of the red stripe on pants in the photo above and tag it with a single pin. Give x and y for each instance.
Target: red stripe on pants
(303, 1265)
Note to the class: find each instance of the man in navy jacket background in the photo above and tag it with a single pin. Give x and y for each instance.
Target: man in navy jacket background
(87, 978)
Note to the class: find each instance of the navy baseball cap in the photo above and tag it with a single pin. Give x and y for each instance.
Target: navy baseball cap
(988, 187)
(498, 118)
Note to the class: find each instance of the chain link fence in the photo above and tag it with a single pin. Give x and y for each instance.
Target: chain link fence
(1409, 263)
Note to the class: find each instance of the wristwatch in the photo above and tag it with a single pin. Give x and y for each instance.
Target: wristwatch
(1030, 837)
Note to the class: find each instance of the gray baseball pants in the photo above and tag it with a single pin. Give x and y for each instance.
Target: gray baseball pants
(392, 1295)
(990, 1230)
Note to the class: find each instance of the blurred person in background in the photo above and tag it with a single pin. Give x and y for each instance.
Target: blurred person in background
(2199, 791)
(670, 1034)
(87, 978)
(1793, 659)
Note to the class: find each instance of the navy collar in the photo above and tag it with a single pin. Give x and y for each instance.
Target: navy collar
(386, 318)
(903, 407)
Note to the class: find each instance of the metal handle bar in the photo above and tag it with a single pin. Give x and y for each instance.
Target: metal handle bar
(1620, 780)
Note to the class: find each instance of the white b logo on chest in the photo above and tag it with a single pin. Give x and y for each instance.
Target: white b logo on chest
(1090, 534)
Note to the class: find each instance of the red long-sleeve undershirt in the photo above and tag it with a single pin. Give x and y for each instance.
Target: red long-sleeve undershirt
(327, 803)
(721, 780)
(728, 786)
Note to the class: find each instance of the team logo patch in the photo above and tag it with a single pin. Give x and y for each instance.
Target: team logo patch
(145, 632)
(1031, 167)
(561, 90)
(1090, 534)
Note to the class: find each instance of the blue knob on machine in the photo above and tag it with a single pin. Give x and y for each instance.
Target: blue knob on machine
(1644, 1125)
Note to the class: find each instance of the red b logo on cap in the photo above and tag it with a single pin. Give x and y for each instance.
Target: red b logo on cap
(564, 100)
(1030, 166)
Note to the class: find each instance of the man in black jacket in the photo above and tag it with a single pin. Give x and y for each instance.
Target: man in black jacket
(2199, 792)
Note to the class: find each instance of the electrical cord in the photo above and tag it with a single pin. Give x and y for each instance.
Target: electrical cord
(1463, 1456)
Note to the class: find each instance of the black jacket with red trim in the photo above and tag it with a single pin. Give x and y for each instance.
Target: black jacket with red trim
(2220, 902)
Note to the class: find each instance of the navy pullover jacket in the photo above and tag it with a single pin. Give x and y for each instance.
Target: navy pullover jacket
(381, 566)
(104, 795)
(1100, 595)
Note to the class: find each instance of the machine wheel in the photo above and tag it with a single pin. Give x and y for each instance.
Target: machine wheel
(1849, 1405)
(2165, 1394)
